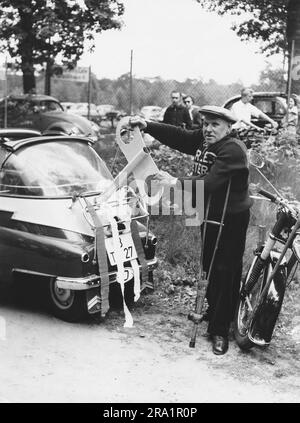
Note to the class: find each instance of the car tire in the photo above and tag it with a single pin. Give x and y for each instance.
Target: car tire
(68, 305)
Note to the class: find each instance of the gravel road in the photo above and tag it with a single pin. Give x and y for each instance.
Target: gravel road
(43, 359)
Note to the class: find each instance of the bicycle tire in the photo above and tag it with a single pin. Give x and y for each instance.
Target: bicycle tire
(243, 318)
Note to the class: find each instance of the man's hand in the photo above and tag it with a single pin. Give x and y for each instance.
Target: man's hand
(137, 121)
(274, 124)
(164, 179)
(126, 133)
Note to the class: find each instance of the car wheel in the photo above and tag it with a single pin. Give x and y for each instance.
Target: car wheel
(66, 304)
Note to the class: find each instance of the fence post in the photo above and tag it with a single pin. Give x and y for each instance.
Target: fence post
(130, 83)
(290, 78)
(5, 94)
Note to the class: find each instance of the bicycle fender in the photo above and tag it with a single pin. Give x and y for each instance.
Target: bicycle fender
(264, 320)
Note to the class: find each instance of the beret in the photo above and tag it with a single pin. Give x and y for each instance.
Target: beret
(219, 112)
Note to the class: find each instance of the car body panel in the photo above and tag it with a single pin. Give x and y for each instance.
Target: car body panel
(18, 133)
(43, 112)
(54, 235)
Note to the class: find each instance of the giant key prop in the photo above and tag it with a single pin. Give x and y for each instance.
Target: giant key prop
(140, 162)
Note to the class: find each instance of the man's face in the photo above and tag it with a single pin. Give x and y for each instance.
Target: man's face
(214, 129)
(247, 97)
(188, 102)
(175, 98)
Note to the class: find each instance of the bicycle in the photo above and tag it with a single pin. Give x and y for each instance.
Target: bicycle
(263, 288)
(255, 137)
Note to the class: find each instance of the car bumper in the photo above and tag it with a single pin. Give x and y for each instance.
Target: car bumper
(92, 281)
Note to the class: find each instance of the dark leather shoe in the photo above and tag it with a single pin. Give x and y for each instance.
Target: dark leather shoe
(220, 344)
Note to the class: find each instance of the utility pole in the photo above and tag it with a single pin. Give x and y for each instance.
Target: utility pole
(130, 84)
(89, 94)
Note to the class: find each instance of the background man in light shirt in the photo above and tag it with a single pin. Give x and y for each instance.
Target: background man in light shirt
(244, 110)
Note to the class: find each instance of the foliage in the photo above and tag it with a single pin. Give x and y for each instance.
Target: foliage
(271, 80)
(265, 21)
(32, 31)
(116, 92)
(146, 91)
(282, 164)
(179, 246)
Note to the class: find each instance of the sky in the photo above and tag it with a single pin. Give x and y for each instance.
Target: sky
(176, 39)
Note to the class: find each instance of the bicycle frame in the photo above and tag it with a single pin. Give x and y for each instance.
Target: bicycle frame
(263, 288)
(265, 313)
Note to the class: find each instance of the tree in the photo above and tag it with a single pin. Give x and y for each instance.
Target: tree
(275, 23)
(271, 80)
(35, 32)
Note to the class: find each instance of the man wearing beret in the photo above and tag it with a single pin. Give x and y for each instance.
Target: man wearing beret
(218, 159)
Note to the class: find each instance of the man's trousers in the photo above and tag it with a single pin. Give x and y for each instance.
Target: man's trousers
(224, 283)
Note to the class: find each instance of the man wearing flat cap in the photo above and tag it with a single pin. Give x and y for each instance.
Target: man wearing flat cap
(221, 162)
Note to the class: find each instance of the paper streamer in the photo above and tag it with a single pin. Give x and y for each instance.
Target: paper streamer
(120, 265)
(137, 279)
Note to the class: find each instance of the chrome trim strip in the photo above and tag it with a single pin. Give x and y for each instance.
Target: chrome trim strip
(31, 272)
(92, 281)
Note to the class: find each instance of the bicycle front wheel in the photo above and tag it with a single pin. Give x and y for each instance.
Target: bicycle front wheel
(246, 304)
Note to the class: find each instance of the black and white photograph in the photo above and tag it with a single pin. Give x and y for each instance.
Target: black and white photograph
(149, 205)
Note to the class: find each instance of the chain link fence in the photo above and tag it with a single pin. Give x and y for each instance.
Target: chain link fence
(114, 98)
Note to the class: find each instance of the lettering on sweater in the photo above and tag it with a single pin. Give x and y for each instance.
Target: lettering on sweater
(203, 161)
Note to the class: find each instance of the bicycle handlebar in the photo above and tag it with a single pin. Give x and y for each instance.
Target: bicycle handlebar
(293, 210)
(268, 195)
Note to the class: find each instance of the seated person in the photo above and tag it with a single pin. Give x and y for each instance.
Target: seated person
(244, 110)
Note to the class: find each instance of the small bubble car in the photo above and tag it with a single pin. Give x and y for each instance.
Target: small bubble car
(57, 225)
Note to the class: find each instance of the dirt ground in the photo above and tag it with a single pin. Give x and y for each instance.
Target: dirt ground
(43, 359)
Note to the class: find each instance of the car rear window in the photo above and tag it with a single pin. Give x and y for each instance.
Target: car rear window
(54, 169)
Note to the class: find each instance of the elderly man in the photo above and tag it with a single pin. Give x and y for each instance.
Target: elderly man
(221, 162)
(243, 111)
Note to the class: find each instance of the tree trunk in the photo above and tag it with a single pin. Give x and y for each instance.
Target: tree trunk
(29, 85)
(26, 47)
(293, 38)
(48, 73)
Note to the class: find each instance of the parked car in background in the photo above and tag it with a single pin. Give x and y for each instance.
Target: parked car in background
(110, 113)
(273, 104)
(82, 110)
(67, 105)
(50, 188)
(151, 112)
(162, 114)
(44, 113)
(103, 109)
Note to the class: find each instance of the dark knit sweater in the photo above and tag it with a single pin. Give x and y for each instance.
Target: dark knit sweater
(214, 164)
(177, 115)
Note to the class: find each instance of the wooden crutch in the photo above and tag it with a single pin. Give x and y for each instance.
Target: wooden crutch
(197, 316)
